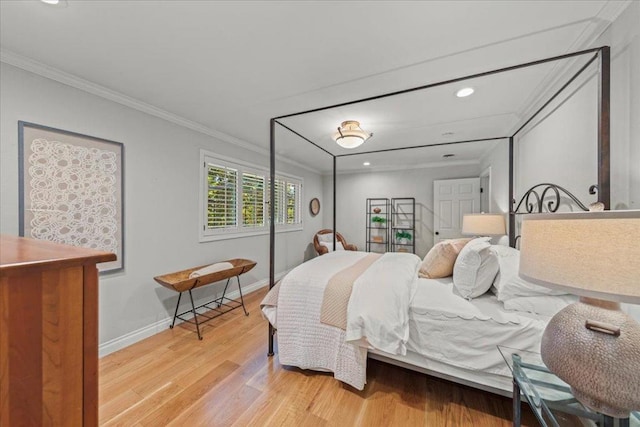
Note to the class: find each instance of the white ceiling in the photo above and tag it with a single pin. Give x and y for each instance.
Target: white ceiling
(231, 66)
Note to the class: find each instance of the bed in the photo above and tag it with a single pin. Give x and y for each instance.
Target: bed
(397, 317)
(428, 343)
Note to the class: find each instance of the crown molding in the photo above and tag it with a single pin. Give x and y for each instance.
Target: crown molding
(52, 73)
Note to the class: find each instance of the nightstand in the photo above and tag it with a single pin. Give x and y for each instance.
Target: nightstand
(549, 397)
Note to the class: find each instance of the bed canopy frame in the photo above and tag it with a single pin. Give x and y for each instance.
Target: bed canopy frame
(603, 54)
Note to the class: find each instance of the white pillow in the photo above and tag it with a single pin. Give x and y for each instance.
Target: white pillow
(210, 269)
(329, 246)
(508, 284)
(509, 261)
(475, 269)
(519, 287)
(328, 237)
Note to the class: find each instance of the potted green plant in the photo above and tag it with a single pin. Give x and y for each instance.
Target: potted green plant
(378, 221)
(403, 237)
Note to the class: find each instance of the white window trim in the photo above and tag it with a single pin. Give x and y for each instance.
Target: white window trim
(236, 233)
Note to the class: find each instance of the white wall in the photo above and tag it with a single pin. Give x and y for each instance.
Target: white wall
(561, 146)
(624, 38)
(498, 160)
(161, 197)
(354, 189)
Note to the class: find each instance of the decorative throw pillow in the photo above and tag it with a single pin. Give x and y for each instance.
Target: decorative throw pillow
(440, 259)
(475, 269)
(327, 238)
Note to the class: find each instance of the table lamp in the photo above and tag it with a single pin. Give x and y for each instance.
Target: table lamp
(591, 344)
(483, 224)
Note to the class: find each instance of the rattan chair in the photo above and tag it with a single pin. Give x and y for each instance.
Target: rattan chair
(323, 249)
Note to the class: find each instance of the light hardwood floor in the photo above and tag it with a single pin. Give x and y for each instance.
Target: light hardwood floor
(174, 379)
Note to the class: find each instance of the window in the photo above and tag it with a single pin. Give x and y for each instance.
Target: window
(288, 196)
(236, 199)
(221, 197)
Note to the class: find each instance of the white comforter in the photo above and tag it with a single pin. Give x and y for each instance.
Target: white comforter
(378, 314)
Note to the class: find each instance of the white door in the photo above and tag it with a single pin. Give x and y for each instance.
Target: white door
(453, 198)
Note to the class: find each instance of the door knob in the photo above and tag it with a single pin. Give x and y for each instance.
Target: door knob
(437, 233)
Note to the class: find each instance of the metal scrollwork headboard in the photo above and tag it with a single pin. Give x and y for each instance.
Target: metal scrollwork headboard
(545, 197)
(552, 205)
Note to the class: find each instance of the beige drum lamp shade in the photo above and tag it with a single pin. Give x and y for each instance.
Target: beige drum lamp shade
(591, 344)
(483, 225)
(591, 254)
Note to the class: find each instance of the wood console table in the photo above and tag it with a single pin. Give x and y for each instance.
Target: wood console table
(181, 281)
(48, 333)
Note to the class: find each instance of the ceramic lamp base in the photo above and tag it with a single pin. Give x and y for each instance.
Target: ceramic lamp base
(601, 362)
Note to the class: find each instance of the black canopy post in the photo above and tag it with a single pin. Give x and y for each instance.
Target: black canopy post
(512, 198)
(604, 122)
(272, 218)
(334, 202)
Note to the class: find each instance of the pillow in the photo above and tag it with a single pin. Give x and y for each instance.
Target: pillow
(327, 238)
(440, 259)
(519, 287)
(507, 284)
(329, 246)
(213, 268)
(475, 269)
(509, 262)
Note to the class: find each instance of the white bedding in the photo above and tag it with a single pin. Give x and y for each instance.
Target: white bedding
(305, 342)
(465, 334)
(378, 314)
(394, 312)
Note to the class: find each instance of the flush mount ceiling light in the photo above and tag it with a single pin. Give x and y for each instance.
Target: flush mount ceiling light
(350, 134)
(58, 3)
(366, 164)
(464, 92)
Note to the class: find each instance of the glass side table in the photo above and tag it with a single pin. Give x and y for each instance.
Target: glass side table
(549, 397)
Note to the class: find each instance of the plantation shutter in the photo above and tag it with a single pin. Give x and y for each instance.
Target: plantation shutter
(253, 198)
(235, 200)
(279, 202)
(291, 199)
(222, 206)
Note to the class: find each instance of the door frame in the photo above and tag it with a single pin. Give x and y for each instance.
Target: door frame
(486, 172)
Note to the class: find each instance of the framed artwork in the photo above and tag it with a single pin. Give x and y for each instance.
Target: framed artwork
(71, 190)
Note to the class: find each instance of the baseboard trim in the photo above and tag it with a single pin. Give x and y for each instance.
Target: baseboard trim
(133, 337)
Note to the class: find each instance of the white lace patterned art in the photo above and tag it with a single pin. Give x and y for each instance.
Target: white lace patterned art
(71, 190)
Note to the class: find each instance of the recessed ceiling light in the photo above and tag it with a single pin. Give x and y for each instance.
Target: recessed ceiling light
(465, 91)
(366, 164)
(50, 1)
(446, 156)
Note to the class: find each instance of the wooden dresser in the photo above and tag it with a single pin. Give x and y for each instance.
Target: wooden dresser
(48, 333)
